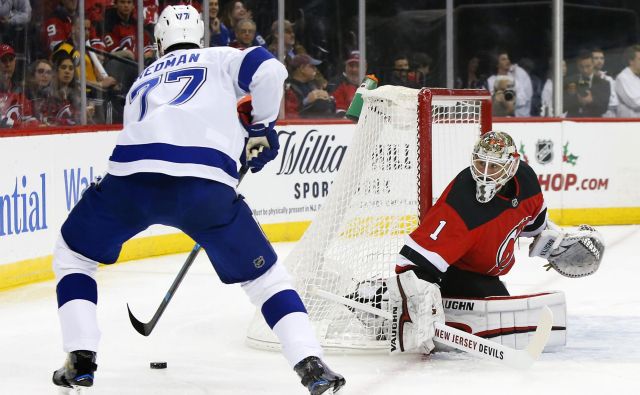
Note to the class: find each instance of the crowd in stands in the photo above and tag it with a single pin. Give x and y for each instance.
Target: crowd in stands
(48, 91)
(589, 92)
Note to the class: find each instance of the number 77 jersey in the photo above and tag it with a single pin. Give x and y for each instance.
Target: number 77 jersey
(180, 115)
(478, 237)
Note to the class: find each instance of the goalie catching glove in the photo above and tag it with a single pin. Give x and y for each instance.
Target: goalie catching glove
(415, 306)
(571, 254)
(262, 145)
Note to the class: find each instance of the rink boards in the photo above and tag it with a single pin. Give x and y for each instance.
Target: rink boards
(587, 171)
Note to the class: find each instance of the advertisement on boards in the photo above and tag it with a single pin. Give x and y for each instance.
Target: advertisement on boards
(294, 185)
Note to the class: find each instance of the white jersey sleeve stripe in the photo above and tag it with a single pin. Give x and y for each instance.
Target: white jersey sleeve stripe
(175, 154)
(536, 225)
(250, 65)
(263, 76)
(433, 257)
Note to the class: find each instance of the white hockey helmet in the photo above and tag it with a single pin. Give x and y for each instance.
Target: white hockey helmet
(178, 24)
(494, 162)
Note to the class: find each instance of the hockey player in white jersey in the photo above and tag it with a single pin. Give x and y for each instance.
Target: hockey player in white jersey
(176, 163)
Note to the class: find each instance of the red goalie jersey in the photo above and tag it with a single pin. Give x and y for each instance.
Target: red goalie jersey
(478, 237)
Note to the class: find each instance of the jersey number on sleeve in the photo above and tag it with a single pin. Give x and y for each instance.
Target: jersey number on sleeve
(434, 235)
(194, 76)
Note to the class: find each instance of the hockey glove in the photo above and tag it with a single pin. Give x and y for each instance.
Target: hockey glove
(261, 150)
(574, 255)
(262, 145)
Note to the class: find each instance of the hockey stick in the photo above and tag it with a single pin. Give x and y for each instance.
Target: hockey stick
(145, 328)
(467, 342)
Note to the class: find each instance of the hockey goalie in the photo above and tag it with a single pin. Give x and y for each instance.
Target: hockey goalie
(450, 267)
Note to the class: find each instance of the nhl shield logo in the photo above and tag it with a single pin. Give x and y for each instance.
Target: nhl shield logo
(544, 151)
(258, 262)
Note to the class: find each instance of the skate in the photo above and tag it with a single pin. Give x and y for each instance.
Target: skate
(77, 370)
(317, 376)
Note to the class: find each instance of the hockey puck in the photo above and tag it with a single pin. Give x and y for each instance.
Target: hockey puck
(158, 365)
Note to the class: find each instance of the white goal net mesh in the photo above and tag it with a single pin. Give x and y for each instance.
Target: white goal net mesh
(373, 203)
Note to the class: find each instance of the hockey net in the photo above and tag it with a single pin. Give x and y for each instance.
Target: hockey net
(407, 147)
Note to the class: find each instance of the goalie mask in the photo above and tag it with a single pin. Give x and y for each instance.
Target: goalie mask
(179, 24)
(494, 162)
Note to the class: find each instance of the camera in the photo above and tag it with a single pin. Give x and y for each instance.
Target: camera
(583, 88)
(509, 94)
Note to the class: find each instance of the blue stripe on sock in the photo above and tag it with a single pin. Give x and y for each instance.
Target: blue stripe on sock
(77, 286)
(281, 304)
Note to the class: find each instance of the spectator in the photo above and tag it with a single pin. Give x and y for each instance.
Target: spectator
(39, 87)
(504, 97)
(95, 75)
(472, 79)
(121, 36)
(233, 12)
(291, 47)
(344, 86)
(150, 13)
(421, 64)
(7, 69)
(94, 9)
(521, 81)
(400, 72)
(586, 94)
(39, 79)
(63, 107)
(219, 33)
(547, 91)
(303, 97)
(15, 108)
(59, 26)
(628, 85)
(14, 15)
(245, 34)
(597, 55)
(121, 39)
(100, 86)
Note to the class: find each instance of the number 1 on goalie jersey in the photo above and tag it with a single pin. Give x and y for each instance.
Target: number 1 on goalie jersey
(434, 235)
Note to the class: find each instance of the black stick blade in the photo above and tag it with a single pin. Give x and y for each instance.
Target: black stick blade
(141, 328)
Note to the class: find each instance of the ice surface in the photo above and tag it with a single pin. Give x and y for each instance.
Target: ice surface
(202, 337)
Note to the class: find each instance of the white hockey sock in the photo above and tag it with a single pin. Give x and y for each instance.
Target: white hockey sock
(77, 298)
(297, 338)
(283, 310)
(79, 326)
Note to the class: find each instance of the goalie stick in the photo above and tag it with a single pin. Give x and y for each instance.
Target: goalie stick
(467, 342)
(145, 328)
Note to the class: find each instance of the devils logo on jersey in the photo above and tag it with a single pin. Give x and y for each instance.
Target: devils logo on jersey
(505, 257)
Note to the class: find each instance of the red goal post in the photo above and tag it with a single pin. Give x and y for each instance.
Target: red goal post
(426, 99)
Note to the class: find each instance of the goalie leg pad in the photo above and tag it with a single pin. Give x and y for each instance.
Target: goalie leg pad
(509, 320)
(415, 306)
